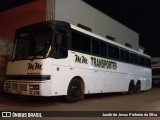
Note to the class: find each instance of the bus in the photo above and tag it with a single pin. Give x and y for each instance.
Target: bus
(155, 63)
(56, 58)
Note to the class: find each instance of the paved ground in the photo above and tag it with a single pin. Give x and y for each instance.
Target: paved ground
(145, 101)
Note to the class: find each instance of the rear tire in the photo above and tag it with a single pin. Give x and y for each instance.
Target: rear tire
(138, 87)
(131, 88)
(74, 92)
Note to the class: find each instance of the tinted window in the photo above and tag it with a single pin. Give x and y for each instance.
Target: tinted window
(141, 60)
(132, 60)
(110, 51)
(127, 56)
(61, 39)
(116, 52)
(122, 55)
(136, 59)
(95, 47)
(103, 49)
(61, 43)
(86, 44)
(148, 62)
(76, 41)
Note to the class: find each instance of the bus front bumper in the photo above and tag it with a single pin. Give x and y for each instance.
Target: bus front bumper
(28, 88)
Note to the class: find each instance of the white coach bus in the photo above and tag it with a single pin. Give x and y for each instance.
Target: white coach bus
(55, 58)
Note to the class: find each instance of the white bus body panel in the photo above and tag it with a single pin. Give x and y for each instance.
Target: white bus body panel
(96, 80)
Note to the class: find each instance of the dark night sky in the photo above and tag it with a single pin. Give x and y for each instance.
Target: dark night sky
(142, 16)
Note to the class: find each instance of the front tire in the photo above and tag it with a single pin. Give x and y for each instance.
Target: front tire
(74, 92)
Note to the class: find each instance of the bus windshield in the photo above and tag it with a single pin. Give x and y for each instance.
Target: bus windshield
(33, 44)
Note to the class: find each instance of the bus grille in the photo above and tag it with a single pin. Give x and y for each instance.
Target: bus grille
(17, 86)
(23, 87)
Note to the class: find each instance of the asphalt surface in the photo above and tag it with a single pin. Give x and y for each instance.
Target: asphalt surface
(147, 101)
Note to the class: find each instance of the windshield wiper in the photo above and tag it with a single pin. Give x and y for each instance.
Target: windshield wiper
(35, 56)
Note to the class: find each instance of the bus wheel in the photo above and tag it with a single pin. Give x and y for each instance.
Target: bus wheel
(138, 87)
(131, 88)
(74, 92)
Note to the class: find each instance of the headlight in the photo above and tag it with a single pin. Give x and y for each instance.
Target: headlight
(7, 85)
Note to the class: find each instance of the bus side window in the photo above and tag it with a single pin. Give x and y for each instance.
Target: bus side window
(122, 55)
(61, 44)
(76, 41)
(103, 49)
(141, 61)
(95, 46)
(116, 53)
(148, 62)
(127, 55)
(110, 51)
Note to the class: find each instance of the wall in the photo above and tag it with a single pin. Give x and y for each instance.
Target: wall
(77, 11)
(73, 11)
(14, 18)
(6, 46)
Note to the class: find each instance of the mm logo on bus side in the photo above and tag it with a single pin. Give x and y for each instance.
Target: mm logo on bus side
(35, 66)
(81, 59)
